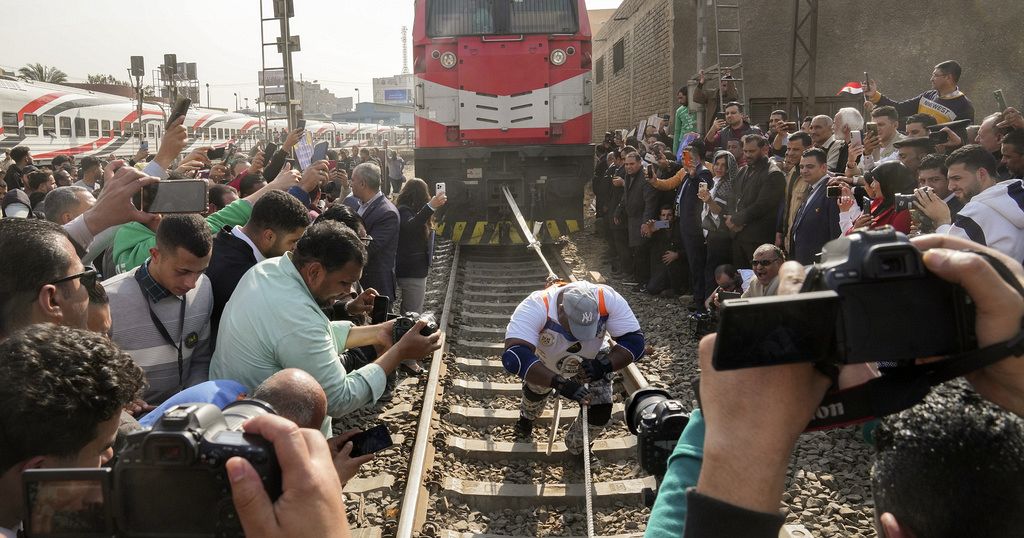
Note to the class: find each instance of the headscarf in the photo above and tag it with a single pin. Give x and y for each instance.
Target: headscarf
(725, 185)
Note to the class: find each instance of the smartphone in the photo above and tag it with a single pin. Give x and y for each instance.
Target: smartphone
(650, 158)
(833, 191)
(726, 295)
(381, 307)
(650, 171)
(866, 206)
(767, 331)
(720, 116)
(856, 137)
(371, 441)
(320, 151)
(300, 123)
(938, 137)
(180, 109)
(790, 126)
(439, 188)
(1000, 101)
(269, 151)
(217, 153)
(176, 196)
(662, 224)
(871, 127)
(144, 145)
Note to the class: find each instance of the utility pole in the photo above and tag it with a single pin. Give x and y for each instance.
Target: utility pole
(208, 102)
(283, 9)
(138, 70)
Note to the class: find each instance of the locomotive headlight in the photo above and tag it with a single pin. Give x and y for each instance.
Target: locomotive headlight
(558, 57)
(448, 60)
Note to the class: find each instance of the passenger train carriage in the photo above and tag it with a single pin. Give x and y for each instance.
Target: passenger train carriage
(61, 120)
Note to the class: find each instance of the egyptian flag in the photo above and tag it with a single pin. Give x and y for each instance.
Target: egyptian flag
(851, 88)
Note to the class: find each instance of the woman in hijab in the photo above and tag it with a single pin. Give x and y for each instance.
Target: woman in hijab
(718, 202)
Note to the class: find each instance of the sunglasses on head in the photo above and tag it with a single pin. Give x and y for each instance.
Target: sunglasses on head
(762, 263)
(88, 277)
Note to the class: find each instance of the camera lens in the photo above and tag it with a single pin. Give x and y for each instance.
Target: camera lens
(641, 402)
(238, 412)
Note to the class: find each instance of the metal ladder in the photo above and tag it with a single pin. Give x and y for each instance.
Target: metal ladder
(729, 46)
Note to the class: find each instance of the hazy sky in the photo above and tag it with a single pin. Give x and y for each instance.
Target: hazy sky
(345, 43)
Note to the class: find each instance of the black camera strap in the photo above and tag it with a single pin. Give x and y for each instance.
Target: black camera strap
(167, 336)
(902, 387)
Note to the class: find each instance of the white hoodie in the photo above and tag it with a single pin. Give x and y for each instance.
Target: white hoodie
(994, 218)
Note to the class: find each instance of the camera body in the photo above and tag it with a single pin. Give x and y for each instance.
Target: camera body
(657, 421)
(167, 481)
(406, 322)
(869, 299)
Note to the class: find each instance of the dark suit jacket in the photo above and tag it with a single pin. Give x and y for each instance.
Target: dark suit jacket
(415, 243)
(382, 223)
(759, 192)
(816, 224)
(639, 204)
(689, 208)
(231, 258)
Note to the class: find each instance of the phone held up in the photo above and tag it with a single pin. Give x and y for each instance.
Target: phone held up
(371, 441)
(833, 191)
(1000, 100)
(180, 109)
(381, 307)
(439, 188)
(179, 196)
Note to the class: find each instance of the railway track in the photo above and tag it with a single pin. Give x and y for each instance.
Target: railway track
(468, 476)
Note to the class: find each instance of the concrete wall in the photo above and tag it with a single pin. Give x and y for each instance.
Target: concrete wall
(896, 42)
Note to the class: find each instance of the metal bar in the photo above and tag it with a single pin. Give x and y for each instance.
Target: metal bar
(417, 463)
(588, 480)
(531, 240)
(812, 57)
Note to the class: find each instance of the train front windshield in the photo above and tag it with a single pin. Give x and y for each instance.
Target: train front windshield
(450, 18)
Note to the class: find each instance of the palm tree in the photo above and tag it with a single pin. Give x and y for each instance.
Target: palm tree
(43, 73)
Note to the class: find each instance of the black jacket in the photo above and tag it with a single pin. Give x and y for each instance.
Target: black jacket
(381, 220)
(759, 192)
(231, 258)
(639, 204)
(415, 242)
(13, 178)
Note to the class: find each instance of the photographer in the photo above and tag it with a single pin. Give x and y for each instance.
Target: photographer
(741, 483)
(666, 269)
(992, 214)
(62, 398)
(882, 185)
(274, 321)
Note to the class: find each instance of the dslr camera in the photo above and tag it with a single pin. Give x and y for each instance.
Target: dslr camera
(406, 322)
(869, 299)
(167, 481)
(657, 421)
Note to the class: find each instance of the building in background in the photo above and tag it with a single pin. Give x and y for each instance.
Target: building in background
(649, 49)
(319, 102)
(396, 90)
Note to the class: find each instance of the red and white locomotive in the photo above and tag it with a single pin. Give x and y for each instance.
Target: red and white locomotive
(503, 99)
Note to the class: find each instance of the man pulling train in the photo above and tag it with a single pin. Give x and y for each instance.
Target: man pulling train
(560, 338)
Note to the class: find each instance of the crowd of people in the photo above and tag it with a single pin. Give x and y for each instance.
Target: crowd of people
(111, 314)
(265, 293)
(748, 208)
(731, 187)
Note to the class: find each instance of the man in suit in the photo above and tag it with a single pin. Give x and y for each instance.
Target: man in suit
(817, 220)
(796, 190)
(760, 189)
(639, 205)
(688, 207)
(381, 219)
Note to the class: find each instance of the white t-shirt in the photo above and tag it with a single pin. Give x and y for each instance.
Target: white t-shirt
(537, 323)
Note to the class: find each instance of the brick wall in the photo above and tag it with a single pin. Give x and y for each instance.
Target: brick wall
(898, 45)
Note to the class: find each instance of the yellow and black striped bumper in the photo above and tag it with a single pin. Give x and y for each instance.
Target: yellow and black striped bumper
(503, 232)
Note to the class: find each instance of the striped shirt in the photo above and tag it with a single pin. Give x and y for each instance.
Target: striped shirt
(134, 331)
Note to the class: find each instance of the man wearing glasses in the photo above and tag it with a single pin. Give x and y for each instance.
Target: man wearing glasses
(42, 279)
(766, 263)
(274, 321)
(945, 102)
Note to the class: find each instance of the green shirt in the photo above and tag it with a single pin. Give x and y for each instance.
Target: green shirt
(684, 124)
(272, 322)
(133, 240)
(668, 516)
